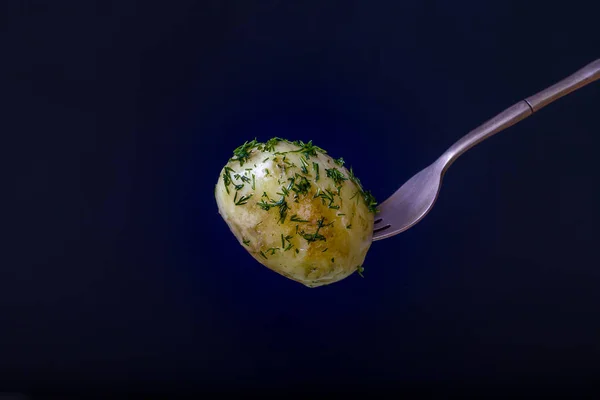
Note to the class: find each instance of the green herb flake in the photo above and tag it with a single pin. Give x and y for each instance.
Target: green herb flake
(227, 178)
(263, 254)
(301, 186)
(370, 201)
(365, 194)
(295, 218)
(282, 204)
(313, 237)
(360, 270)
(246, 241)
(243, 200)
(316, 168)
(354, 179)
(336, 175)
(243, 152)
(339, 161)
(271, 143)
(325, 196)
(283, 212)
(308, 149)
(253, 182)
(304, 165)
(284, 191)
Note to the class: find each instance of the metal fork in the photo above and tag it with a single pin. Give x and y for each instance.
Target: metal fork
(409, 204)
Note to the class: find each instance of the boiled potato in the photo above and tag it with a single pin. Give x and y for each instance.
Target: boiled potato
(296, 210)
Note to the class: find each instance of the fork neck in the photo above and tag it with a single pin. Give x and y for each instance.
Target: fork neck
(521, 110)
(508, 117)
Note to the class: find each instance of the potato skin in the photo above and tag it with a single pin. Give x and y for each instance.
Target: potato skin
(296, 211)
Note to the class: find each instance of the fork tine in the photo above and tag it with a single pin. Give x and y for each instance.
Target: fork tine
(380, 224)
(378, 233)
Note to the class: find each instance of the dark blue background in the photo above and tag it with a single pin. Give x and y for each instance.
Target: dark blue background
(117, 272)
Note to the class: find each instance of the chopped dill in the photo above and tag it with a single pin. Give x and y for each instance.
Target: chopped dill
(302, 187)
(304, 165)
(244, 178)
(316, 168)
(227, 178)
(370, 200)
(242, 153)
(313, 237)
(294, 218)
(308, 149)
(243, 200)
(326, 195)
(360, 270)
(271, 143)
(336, 175)
(282, 204)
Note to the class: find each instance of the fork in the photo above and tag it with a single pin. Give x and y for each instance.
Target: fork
(413, 201)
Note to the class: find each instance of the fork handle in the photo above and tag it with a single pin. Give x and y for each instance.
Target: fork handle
(522, 110)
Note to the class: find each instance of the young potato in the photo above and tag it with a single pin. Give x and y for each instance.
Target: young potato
(296, 210)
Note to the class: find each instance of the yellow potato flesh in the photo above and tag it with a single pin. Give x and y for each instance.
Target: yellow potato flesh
(312, 228)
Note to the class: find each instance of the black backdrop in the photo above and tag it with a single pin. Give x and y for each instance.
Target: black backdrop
(117, 273)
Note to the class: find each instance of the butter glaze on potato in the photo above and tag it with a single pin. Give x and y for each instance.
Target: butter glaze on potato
(296, 210)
